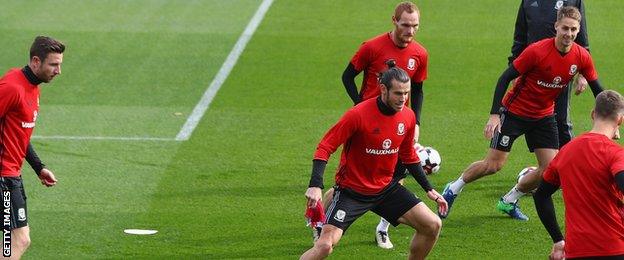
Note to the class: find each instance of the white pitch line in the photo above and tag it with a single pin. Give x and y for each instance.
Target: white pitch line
(120, 138)
(202, 106)
(224, 72)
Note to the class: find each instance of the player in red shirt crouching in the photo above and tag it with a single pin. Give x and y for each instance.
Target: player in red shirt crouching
(374, 135)
(590, 172)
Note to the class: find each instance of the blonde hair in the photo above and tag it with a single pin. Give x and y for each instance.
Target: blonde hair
(408, 7)
(609, 105)
(569, 12)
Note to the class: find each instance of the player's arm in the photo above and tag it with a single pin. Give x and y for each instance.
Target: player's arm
(520, 34)
(595, 87)
(416, 170)
(501, 87)
(314, 192)
(33, 160)
(348, 80)
(546, 209)
(335, 137)
(493, 123)
(416, 99)
(45, 175)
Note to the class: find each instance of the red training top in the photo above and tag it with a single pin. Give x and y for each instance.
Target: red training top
(544, 72)
(585, 170)
(372, 143)
(373, 54)
(19, 103)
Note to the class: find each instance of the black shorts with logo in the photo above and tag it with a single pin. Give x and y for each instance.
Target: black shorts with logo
(538, 133)
(346, 205)
(18, 200)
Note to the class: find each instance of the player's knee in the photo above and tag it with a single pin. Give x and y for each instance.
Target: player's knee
(21, 241)
(324, 248)
(433, 227)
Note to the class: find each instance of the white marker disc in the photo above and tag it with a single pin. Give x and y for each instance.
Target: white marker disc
(140, 231)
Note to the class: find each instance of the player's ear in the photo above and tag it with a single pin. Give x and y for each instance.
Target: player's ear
(35, 61)
(383, 88)
(593, 114)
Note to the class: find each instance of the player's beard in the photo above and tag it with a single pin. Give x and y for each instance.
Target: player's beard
(399, 106)
(406, 39)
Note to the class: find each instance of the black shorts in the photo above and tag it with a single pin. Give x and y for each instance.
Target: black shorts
(538, 133)
(19, 216)
(346, 205)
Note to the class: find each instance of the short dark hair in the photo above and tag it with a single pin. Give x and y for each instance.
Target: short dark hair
(408, 7)
(44, 45)
(393, 73)
(609, 104)
(569, 12)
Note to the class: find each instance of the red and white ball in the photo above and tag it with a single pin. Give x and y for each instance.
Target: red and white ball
(524, 172)
(430, 159)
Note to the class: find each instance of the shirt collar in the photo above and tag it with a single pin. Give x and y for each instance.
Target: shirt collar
(385, 109)
(30, 75)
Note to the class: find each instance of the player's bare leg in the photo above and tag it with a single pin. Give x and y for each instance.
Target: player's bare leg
(20, 240)
(427, 225)
(325, 244)
(509, 202)
(532, 179)
(327, 197)
(492, 163)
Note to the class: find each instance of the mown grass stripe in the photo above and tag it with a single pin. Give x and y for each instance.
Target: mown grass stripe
(224, 72)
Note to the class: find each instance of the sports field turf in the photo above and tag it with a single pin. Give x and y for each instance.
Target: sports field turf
(136, 69)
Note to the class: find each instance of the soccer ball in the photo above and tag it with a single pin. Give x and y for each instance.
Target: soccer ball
(524, 172)
(430, 159)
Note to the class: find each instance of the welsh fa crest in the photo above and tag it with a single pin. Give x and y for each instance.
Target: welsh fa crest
(411, 64)
(401, 129)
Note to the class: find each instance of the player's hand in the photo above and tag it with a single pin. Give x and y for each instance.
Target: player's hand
(416, 133)
(313, 194)
(442, 204)
(581, 85)
(47, 177)
(557, 252)
(492, 125)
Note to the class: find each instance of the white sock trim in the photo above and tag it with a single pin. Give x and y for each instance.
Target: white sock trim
(513, 195)
(457, 185)
(383, 225)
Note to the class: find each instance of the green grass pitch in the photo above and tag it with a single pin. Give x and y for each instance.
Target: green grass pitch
(235, 189)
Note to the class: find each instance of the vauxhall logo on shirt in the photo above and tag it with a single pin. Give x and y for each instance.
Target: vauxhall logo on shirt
(385, 145)
(554, 84)
(30, 124)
